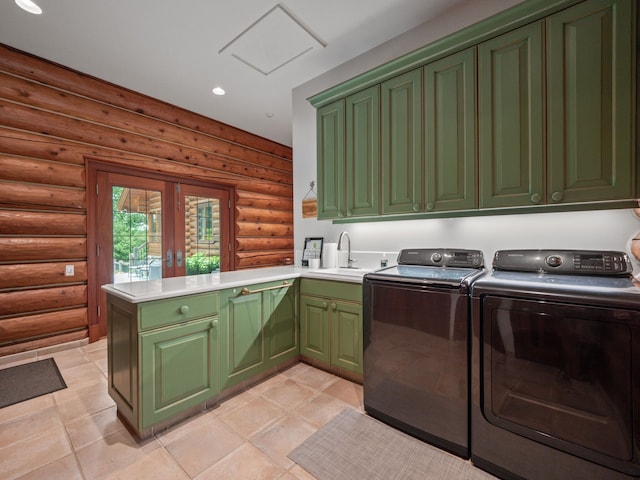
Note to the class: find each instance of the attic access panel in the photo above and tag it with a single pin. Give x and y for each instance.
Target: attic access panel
(272, 41)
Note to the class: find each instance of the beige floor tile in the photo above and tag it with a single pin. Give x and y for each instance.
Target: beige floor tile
(28, 407)
(66, 468)
(294, 370)
(68, 358)
(253, 416)
(81, 403)
(100, 345)
(179, 430)
(246, 463)
(348, 392)
(320, 409)
(99, 358)
(88, 429)
(48, 447)
(112, 454)
(288, 394)
(158, 465)
(300, 473)
(270, 382)
(315, 378)
(282, 437)
(79, 373)
(237, 401)
(204, 446)
(24, 428)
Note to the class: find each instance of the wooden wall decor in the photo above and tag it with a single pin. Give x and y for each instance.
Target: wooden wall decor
(52, 120)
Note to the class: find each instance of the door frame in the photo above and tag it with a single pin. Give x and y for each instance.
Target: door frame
(96, 324)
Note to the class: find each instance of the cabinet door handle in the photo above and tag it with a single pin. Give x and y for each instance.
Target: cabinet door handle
(246, 291)
(557, 196)
(214, 323)
(184, 309)
(334, 306)
(536, 197)
(416, 207)
(325, 305)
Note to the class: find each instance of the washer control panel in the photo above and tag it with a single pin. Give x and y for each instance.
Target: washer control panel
(568, 262)
(441, 257)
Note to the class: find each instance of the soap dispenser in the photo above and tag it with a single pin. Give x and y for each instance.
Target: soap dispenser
(383, 260)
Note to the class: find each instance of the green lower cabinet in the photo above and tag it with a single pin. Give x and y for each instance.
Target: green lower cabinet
(258, 329)
(331, 325)
(178, 368)
(163, 357)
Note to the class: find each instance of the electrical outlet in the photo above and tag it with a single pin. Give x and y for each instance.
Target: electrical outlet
(69, 270)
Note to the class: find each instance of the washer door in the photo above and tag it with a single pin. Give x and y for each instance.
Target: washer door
(562, 375)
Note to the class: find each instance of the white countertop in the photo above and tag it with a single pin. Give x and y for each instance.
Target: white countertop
(147, 290)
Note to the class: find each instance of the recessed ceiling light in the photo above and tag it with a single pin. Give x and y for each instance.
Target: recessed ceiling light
(217, 90)
(29, 6)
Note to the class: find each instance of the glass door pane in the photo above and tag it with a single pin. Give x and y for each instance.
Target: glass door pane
(202, 234)
(137, 234)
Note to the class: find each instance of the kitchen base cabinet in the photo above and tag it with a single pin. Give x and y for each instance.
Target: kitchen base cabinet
(162, 358)
(259, 329)
(331, 324)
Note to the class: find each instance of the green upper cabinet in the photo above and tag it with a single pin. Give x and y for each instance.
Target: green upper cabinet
(401, 143)
(591, 102)
(511, 118)
(450, 133)
(363, 153)
(331, 168)
(531, 110)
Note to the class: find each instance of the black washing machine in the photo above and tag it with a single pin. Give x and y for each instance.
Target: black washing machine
(416, 344)
(556, 366)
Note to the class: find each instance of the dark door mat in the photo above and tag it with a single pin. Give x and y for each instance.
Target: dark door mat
(30, 380)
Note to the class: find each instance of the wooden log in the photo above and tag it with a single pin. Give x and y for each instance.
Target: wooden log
(42, 299)
(33, 326)
(249, 214)
(36, 95)
(16, 193)
(42, 249)
(248, 229)
(18, 222)
(42, 146)
(262, 259)
(246, 244)
(28, 66)
(43, 342)
(21, 117)
(40, 274)
(260, 200)
(22, 169)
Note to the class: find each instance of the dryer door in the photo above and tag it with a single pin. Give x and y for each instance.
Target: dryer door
(562, 375)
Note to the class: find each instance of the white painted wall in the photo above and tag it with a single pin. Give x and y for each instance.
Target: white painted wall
(604, 229)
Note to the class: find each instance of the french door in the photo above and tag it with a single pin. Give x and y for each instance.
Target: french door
(153, 228)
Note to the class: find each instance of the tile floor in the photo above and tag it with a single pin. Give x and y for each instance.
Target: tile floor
(74, 433)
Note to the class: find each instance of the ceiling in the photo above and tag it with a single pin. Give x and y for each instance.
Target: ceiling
(257, 50)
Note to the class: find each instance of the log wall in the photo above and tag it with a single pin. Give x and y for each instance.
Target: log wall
(52, 121)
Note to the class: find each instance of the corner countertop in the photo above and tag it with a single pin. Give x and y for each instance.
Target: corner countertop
(148, 290)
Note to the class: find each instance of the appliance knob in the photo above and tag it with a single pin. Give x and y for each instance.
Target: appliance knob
(554, 260)
(436, 257)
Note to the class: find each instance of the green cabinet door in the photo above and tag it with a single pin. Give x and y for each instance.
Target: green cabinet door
(363, 153)
(401, 143)
(281, 323)
(244, 339)
(314, 328)
(330, 161)
(590, 100)
(511, 119)
(346, 335)
(178, 368)
(450, 133)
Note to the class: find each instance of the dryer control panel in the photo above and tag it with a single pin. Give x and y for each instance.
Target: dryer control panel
(567, 262)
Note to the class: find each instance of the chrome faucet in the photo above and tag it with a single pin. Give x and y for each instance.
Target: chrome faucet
(350, 260)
